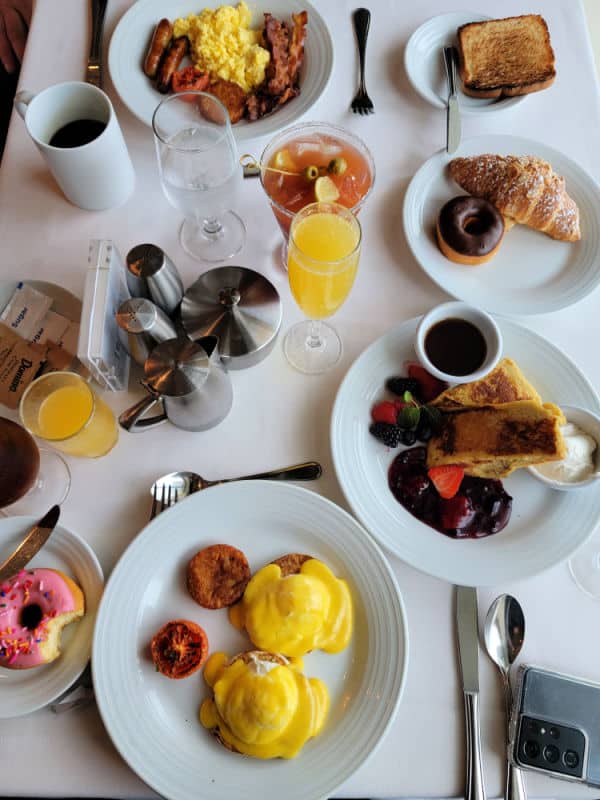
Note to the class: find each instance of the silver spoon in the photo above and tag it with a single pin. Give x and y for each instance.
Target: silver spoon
(504, 633)
(184, 483)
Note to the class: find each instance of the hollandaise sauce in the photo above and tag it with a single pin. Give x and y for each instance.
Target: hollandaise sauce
(309, 610)
(261, 707)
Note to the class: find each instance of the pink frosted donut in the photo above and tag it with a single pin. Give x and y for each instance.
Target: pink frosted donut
(35, 605)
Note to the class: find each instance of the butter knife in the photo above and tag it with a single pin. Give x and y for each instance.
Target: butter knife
(94, 66)
(452, 111)
(468, 646)
(35, 539)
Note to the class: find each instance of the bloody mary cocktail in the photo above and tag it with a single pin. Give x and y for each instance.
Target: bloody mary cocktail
(315, 162)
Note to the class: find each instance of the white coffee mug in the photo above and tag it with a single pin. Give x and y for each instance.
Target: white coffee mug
(95, 175)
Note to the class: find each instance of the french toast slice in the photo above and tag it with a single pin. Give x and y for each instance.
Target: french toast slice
(504, 384)
(493, 441)
(506, 57)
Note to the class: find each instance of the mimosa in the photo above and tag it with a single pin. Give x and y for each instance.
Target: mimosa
(323, 257)
(322, 263)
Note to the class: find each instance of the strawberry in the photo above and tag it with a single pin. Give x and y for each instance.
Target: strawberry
(446, 479)
(385, 411)
(430, 387)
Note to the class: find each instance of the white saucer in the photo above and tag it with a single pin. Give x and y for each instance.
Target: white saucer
(424, 63)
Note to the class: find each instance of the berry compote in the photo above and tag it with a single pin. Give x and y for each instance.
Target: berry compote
(480, 507)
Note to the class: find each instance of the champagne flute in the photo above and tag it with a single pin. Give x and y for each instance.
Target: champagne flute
(323, 253)
(31, 479)
(200, 172)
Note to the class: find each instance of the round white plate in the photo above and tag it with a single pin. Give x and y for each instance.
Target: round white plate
(545, 527)
(153, 721)
(131, 38)
(424, 64)
(23, 691)
(531, 273)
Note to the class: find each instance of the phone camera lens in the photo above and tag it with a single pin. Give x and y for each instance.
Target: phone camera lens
(554, 733)
(571, 759)
(531, 748)
(551, 753)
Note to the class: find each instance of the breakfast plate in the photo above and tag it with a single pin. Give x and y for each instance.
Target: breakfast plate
(424, 64)
(153, 721)
(131, 37)
(24, 691)
(531, 273)
(545, 527)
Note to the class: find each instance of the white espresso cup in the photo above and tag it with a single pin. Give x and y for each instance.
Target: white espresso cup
(94, 174)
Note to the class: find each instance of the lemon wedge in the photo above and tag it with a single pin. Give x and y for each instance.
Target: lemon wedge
(325, 190)
(283, 160)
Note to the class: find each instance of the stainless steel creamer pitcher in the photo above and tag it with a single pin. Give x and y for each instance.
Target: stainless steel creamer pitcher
(190, 381)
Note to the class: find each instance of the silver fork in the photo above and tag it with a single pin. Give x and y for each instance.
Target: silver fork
(165, 498)
(362, 102)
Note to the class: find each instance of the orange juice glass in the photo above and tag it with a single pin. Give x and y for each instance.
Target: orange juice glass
(63, 409)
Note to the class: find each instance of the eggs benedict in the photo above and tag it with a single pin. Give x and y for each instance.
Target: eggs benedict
(295, 605)
(262, 705)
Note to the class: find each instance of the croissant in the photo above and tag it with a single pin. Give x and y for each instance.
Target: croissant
(524, 189)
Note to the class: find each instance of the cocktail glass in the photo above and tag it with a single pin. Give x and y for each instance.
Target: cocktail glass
(200, 172)
(290, 183)
(62, 409)
(323, 254)
(32, 479)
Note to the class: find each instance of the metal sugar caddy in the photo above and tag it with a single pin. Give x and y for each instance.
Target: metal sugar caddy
(239, 306)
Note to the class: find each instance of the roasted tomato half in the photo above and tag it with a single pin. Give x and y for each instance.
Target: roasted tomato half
(179, 648)
(189, 79)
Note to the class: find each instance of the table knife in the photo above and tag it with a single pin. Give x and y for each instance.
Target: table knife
(94, 66)
(452, 111)
(468, 646)
(35, 539)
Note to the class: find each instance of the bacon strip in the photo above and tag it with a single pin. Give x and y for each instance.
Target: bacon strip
(296, 49)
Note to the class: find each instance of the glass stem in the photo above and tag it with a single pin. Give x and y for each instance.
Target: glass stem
(314, 335)
(211, 226)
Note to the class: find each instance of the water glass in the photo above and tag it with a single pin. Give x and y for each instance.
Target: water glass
(200, 172)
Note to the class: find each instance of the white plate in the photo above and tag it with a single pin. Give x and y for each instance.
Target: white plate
(531, 273)
(130, 40)
(424, 64)
(545, 527)
(153, 720)
(23, 691)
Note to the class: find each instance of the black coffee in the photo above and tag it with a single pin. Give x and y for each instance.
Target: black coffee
(77, 133)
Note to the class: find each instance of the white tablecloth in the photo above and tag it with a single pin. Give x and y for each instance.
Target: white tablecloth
(42, 236)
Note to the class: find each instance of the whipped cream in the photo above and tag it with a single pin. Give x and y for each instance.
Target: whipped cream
(578, 464)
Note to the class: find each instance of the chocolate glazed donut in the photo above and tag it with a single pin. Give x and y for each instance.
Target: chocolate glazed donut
(469, 230)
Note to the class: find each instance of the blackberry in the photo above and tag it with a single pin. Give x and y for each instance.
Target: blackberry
(386, 433)
(398, 385)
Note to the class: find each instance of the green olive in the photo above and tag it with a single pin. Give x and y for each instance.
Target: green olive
(337, 166)
(311, 173)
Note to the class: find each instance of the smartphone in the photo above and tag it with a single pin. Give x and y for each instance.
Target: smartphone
(555, 725)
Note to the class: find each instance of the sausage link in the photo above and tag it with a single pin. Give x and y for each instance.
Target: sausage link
(173, 58)
(160, 41)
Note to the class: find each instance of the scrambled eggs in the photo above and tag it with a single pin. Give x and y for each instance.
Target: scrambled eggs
(297, 613)
(223, 44)
(262, 705)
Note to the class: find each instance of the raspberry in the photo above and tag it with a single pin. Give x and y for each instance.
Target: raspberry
(388, 434)
(385, 411)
